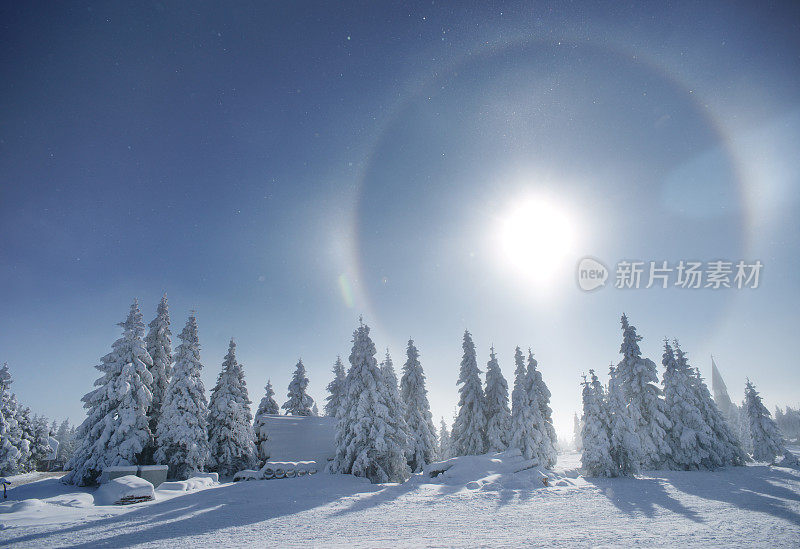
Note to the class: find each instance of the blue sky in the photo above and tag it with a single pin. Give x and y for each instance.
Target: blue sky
(284, 168)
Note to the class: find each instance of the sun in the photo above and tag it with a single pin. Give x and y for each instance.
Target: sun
(537, 236)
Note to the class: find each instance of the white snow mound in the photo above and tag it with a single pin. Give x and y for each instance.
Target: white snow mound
(124, 491)
(189, 485)
(494, 471)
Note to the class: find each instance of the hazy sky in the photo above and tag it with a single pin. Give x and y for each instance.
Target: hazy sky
(284, 167)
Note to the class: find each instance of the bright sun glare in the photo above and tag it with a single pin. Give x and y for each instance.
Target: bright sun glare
(537, 236)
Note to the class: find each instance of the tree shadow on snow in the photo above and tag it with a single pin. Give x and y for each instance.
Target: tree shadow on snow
(224, 507)
(753, 488)
(635, 496)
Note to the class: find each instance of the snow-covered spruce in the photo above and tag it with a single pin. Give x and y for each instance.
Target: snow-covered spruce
(577, 428)
(299, 403)
(724, 448)
(230, 423)
(116, 429)
(767, 440)
(10, 433)
(594, 436)
(527, 433)
(498, 416)
(182, 432)
(469, 429)
(159, 347)
(638, 382)
(626, 449)
(540, 394)
(444, 441)
(66, 441)
(690, 436)
(268, 407)
(397, 409)
(369, 442)
(335, 389)
(421, 448)
(39, 445)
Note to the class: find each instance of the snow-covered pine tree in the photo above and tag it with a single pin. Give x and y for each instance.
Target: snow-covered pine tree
(444, 441)
(767, 440)
(596, 457)
(66, 443)
(40, 446)
(626, 449)
(469, 429)
(230, 424)
(116, 429)
(690, 437)
(10, 435)
(498, 416)
(540, 394)
(577, 428)
(335, 389)
(421, 448)
(315, 410)
(26, 444)
(724, 448)
(369, 441)
(159, 347)
(268, 407)
(638, 380)
(527, 433)
(299, 403)
(182, 432)
(397, 410)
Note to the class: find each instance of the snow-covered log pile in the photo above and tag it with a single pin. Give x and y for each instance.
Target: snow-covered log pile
(278, 469)
(124, 491)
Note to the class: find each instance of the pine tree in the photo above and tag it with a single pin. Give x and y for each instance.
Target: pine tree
(268, 407)
(767, 440)
(116, 429)
(335, 388)
(26, 444)
(370, 442)
(299, 403)
(469, 429)
(159, 347)
(230, 424)
(626, 449)
(577, 428)
(723, 446)
(419, 421)
(527, 434)
(66, 442)
(10, 434)
(638, 381)
(40, 445)
(444, 441)
(397, 409)
(596, 457)
(540, 394)
(182, 433)
(315, 410)
(690, 437)
(498, 415)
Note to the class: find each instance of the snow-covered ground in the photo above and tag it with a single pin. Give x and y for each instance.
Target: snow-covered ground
(483, 500)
